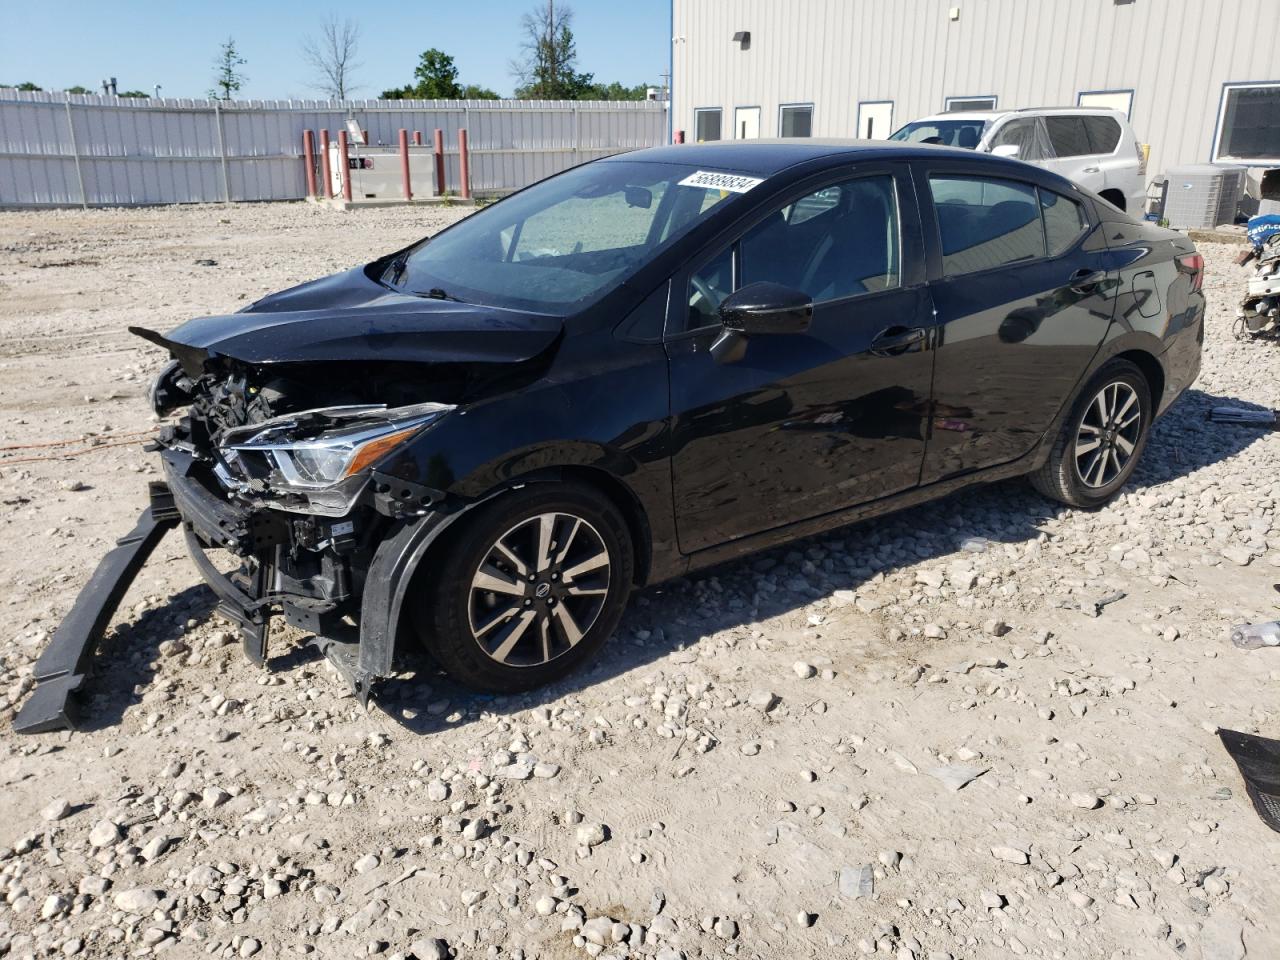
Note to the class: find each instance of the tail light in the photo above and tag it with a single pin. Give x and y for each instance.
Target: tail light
(1193, 265)
(1142, 149)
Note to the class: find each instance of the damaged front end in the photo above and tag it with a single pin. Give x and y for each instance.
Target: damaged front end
(293, 442)
(297, 497)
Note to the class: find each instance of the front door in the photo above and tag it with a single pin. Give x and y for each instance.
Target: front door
(1023, 302)
(746, 123)
(804, 424)
(875, 120)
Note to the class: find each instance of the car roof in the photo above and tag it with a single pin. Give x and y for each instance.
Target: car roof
(764, 157)
(1021, 111)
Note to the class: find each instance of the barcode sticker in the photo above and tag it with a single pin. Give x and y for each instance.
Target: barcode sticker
(711, 180)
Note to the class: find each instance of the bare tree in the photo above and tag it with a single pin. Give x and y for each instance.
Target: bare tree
(332, 55)
(546, 66)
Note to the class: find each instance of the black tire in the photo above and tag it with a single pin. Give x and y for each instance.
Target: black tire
(455, 605)
(1062, 476)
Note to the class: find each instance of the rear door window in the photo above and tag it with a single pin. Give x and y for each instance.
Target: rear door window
(1068, 136)
(986, 222)
(1104, 134)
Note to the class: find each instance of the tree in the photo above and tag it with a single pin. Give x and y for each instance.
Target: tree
(546, 70)
(616, 91)
(437, 77)
(28, 85)
(332, 56)
(79, 89)
(227, 78)
(473, 91)
(141, 95)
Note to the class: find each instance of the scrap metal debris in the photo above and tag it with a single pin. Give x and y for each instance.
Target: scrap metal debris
(1259, 761)
(1243, 415)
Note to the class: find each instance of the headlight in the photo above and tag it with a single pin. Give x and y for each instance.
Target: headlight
(317, 461)
(169, 390)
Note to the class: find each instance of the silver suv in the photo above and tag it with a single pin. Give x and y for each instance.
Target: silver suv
(1094, 147)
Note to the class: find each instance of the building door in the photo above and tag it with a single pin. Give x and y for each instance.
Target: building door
(746, 123)
(875, 120)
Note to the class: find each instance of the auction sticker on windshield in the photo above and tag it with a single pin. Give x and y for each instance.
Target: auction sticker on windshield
(711, 180)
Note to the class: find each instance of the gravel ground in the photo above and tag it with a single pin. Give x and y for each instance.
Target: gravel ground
(917, 737)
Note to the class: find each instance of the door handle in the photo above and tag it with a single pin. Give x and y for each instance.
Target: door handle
(895, 340)
(1084, 280)
(1090, 169)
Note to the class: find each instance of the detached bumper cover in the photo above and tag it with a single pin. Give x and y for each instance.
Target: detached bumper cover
(60, 671)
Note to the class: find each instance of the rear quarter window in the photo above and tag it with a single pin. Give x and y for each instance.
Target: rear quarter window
(1064, 221)
(1104, 134)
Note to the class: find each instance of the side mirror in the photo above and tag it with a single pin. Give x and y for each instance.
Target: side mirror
(758, 309)
(1010, 150)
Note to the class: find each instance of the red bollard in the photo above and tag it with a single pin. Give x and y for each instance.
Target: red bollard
(325, 170)
(309, 157)
(438, 149)
(679, 138)
(417, 138)
(344, 164)
(464, 165)
(404, 163)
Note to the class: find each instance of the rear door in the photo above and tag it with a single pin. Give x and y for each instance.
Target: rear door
(804, 424)
(1022, 303)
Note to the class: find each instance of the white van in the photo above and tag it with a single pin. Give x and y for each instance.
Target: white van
(1094, 147)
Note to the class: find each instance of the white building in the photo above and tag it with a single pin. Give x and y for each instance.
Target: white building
(1199, 79)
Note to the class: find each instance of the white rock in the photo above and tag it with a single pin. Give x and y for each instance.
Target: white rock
(804, 670)
(1085, 801)
(591, 834)
(138, 900)
(429, 948)
(105, 833)
(56, 810)
(1010, 855)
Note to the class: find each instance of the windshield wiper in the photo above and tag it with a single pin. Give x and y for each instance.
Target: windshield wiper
(397, 267)
(436, 293)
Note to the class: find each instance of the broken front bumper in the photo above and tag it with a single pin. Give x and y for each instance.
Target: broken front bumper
(60, 671)
(357, 633)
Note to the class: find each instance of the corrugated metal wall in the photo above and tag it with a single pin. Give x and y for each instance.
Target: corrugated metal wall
(1174, 54)
(187, 151)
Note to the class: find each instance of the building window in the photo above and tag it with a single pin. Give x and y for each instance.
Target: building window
(1249, 123)
(953, 104)
(706, 124)
(796, 120)
(1121, 100)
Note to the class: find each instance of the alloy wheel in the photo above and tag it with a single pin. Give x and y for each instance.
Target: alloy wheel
(539, 589)
(1108, 434)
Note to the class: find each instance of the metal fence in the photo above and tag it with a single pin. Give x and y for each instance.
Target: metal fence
(89, 150)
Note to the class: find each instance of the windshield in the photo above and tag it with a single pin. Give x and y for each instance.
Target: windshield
(949, 133)
(562, 243)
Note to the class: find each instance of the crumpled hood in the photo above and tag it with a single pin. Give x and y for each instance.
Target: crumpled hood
(349, 317)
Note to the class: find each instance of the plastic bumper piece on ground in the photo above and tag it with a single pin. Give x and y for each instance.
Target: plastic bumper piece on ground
(60, 671)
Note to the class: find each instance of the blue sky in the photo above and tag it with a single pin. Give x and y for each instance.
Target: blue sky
(144, 42)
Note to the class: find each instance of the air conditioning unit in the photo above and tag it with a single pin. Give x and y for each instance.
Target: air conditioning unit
(376, 172)
(1203, 195)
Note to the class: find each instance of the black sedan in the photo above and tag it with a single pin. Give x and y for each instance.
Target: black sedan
(650, 364)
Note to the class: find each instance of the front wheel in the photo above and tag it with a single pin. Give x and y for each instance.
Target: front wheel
(531, 586)
(1101, 440)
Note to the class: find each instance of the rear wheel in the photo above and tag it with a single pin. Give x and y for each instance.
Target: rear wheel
(532, 586)
(1102, 439)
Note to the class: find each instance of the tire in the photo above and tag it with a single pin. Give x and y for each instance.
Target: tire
(1073, 474)
(468, 628)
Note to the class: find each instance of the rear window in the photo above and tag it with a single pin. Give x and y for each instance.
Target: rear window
(1104, 133)
(1064, 221)
(1068, 136)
